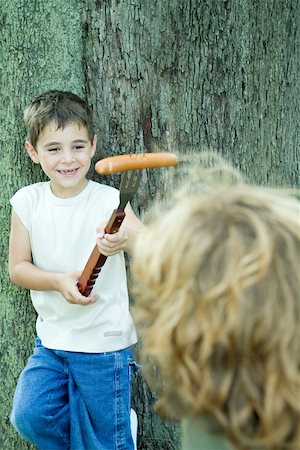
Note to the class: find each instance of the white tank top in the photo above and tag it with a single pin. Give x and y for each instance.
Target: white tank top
(62, 234)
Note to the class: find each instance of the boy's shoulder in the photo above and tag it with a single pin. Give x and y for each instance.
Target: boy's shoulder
(99, 186)
(42, 191)
(32, 188)
(103, 189)
(103, 194)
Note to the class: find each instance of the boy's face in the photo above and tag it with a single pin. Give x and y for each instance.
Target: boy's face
(65, 157)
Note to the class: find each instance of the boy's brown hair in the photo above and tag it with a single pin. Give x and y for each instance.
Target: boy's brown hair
(61, 107)
(216, 284)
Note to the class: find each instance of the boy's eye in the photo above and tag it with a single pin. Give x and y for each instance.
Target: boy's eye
(53, 149)
(79, 147)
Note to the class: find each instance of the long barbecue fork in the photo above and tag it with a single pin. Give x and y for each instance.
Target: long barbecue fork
(130, 180)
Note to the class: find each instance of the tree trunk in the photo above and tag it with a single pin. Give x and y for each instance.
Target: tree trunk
(41, 48)
(175, 75)
(191, 75)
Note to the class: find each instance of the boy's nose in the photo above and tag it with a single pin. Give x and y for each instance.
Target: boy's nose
(67, 155)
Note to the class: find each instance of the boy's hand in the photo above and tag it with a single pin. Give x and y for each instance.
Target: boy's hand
(110, 244)
(67, 286)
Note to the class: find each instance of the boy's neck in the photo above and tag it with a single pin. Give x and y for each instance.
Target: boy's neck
(69, 193)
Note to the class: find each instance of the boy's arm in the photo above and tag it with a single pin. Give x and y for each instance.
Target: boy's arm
(123, 240)
(23, 273)
(133, 226)
(21, 269)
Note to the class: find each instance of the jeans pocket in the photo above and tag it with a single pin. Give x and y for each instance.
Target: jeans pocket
(134, 366)
(38, 342)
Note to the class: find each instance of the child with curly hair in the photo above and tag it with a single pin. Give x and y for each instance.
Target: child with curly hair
(216, 284)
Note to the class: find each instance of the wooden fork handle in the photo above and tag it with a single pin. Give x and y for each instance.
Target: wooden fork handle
(96, 260)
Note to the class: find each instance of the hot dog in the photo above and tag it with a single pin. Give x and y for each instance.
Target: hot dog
(135, 161)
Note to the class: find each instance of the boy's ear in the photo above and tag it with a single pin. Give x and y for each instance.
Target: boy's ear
(94, 145)
(33, 154)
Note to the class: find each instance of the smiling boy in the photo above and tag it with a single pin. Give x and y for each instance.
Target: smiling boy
(75, 390)
(65, 157)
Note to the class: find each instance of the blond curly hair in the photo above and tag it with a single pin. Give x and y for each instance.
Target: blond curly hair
(216, 286)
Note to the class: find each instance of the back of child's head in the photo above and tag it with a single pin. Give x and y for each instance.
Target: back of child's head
(217, 291)
(60, 107)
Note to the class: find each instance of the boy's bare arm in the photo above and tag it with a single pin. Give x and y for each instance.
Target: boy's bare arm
(133, 227)
(23, 273)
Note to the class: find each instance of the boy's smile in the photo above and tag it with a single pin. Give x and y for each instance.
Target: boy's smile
(65, 157)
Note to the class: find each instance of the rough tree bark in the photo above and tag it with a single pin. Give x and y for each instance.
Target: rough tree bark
(40, 49)
(175, 75)
(190, 75)
(220, 75)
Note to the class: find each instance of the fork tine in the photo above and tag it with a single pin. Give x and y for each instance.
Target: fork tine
(130, 181)
(129, 185)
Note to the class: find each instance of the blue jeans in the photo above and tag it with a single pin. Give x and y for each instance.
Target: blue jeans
(68, 400)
